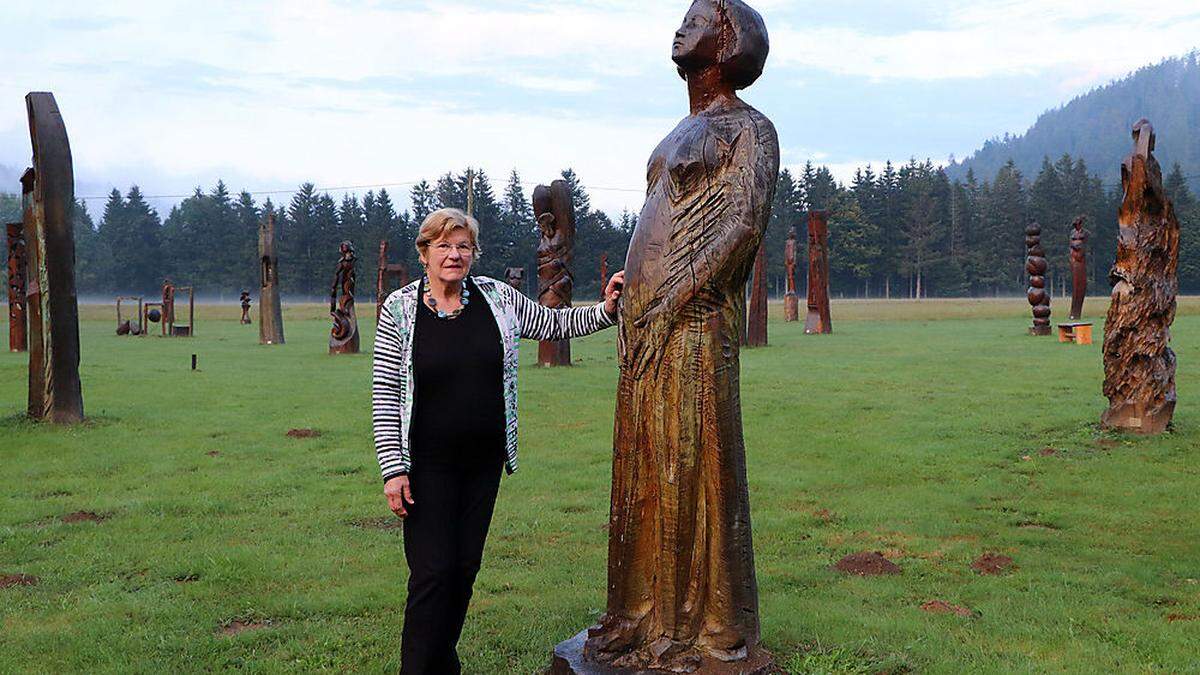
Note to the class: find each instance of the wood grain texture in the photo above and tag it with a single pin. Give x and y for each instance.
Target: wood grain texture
(818, 321)
(756, 314)
(791, 303)
(270, 311)
(554, 210)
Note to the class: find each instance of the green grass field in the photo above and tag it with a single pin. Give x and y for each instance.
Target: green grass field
(917, 430)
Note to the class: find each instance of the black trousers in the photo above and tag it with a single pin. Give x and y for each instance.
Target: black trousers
(443, 544)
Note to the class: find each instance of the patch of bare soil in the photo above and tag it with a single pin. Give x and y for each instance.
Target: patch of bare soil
(867, 564)
(1175, 618)
(943, 607)
(237, 627)
(82, 517)
(825, 515)
(213, 453)
(1047, 452)
(992, 563)
(303, 433)
(7, 580)
(379, 523)
(1035, 525)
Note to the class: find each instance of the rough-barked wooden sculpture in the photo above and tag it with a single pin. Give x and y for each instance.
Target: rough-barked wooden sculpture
(343, 336)
(270, 312)
(386, 273)
(756, 313)
(1079, 238)
(818, 319)
(17, 339)
(555, 213)
(791, 302)
(1035, 266)
(48, 198)
(682, 594)
(168, 308)
(1139, 365)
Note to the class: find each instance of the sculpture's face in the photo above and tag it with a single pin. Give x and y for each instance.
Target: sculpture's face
(698, 41)
(449, 258)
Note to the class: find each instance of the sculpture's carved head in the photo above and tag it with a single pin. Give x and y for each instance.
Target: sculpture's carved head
(346, 248)
(725, 33)
(1143, 137)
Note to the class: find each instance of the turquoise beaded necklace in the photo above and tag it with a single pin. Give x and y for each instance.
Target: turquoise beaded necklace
(464, 298)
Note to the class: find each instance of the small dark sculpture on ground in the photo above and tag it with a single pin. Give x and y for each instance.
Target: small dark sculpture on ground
(791, 303)
(515, 276)
(555, 213)
(1079, 238)
(343, 337)
(1035, 265)
(387, 273)
(682, 592)
(270, 311)
(818, 320)
(48, 202)
(1139, 365)
(756, 314)
(245, 300)
(17, 339)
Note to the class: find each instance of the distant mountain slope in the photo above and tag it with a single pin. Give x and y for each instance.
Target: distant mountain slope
(1096, 126)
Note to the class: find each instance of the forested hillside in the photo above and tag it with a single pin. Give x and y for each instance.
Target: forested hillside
(1096, 127)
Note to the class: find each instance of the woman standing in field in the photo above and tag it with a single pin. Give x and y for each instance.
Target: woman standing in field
(444, 402)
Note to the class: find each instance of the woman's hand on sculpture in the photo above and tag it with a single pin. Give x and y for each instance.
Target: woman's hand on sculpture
(398, 492)
(612, 292)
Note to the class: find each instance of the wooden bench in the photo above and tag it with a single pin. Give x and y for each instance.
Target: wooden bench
(1078, 332)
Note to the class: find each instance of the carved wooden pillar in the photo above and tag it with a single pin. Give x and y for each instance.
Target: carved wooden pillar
(48, 196)
(386, 273)
(818, 320)
(1079, 239)
(791, 303)
(1038, 295)
(756, 313)
(603, 274)
(270, 312)
(555, 213)
(17, 338)
(1139, 365)
(343, 336)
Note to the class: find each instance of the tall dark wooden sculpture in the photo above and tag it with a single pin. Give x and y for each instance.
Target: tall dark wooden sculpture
(17, 339)
(387, 272)
(168, 308)
(791, 303)
(818, 320)
(603, 274)
(1139, 365)
(1079, 239)
(515, 276)
(343, 337)
(1038, 295)
(682, 594)
(756, 313)
(245, 300)
(270, 312)
(555, 213)
(49, 200)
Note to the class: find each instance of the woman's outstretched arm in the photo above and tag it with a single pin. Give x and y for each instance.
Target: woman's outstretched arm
(386, 389)
(546, 323)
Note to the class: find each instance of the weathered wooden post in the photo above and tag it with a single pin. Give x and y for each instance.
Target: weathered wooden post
(555, 213)
(270, 312)
(818, 320)
(791, 302)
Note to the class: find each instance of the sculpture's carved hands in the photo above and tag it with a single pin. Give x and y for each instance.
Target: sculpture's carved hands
(398, 492)
(612, 292)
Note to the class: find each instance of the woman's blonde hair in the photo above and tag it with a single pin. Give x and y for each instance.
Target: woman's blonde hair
(444, 221)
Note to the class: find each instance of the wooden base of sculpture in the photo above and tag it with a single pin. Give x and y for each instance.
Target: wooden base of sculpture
(345, 321)
(1039, 330)
(791, 308)
(569, 659)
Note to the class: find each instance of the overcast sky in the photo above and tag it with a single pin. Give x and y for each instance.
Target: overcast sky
(266, 94)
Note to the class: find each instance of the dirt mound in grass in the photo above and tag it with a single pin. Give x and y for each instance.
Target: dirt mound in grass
(1175, 618)
(1047, 452)
(303, 433)
(867, 564)
(237, 627)
(992, 563)
(83, 517)
(943, 607)
(7, 580)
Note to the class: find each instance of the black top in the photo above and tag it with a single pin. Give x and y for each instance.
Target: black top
(458, 364)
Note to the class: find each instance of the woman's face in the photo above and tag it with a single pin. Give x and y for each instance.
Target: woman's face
(697, 42)
(449, 258)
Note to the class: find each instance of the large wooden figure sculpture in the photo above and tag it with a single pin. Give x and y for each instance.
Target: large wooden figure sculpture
(17, 341)
(682, 594)
(270, 312)
(818, 320)
(387, 272)
(555, 213)
(1079, 240)
(53, 310)
(1139, 365)
(791, 303)
(343, 336)
(1038, 295)
(756, 313)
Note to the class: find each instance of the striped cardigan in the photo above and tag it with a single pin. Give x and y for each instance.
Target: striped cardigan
(392, 383)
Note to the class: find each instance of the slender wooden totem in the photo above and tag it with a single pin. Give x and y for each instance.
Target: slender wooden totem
(555, 213)
(386, 273)
(48, 198)
(1139, 365)
(791, 303)
(1035, 265)
(756, 315)
(818, 320)
(1079, 239)
(17, 339)
(682, 591)
(270, 312)
(343, 336)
